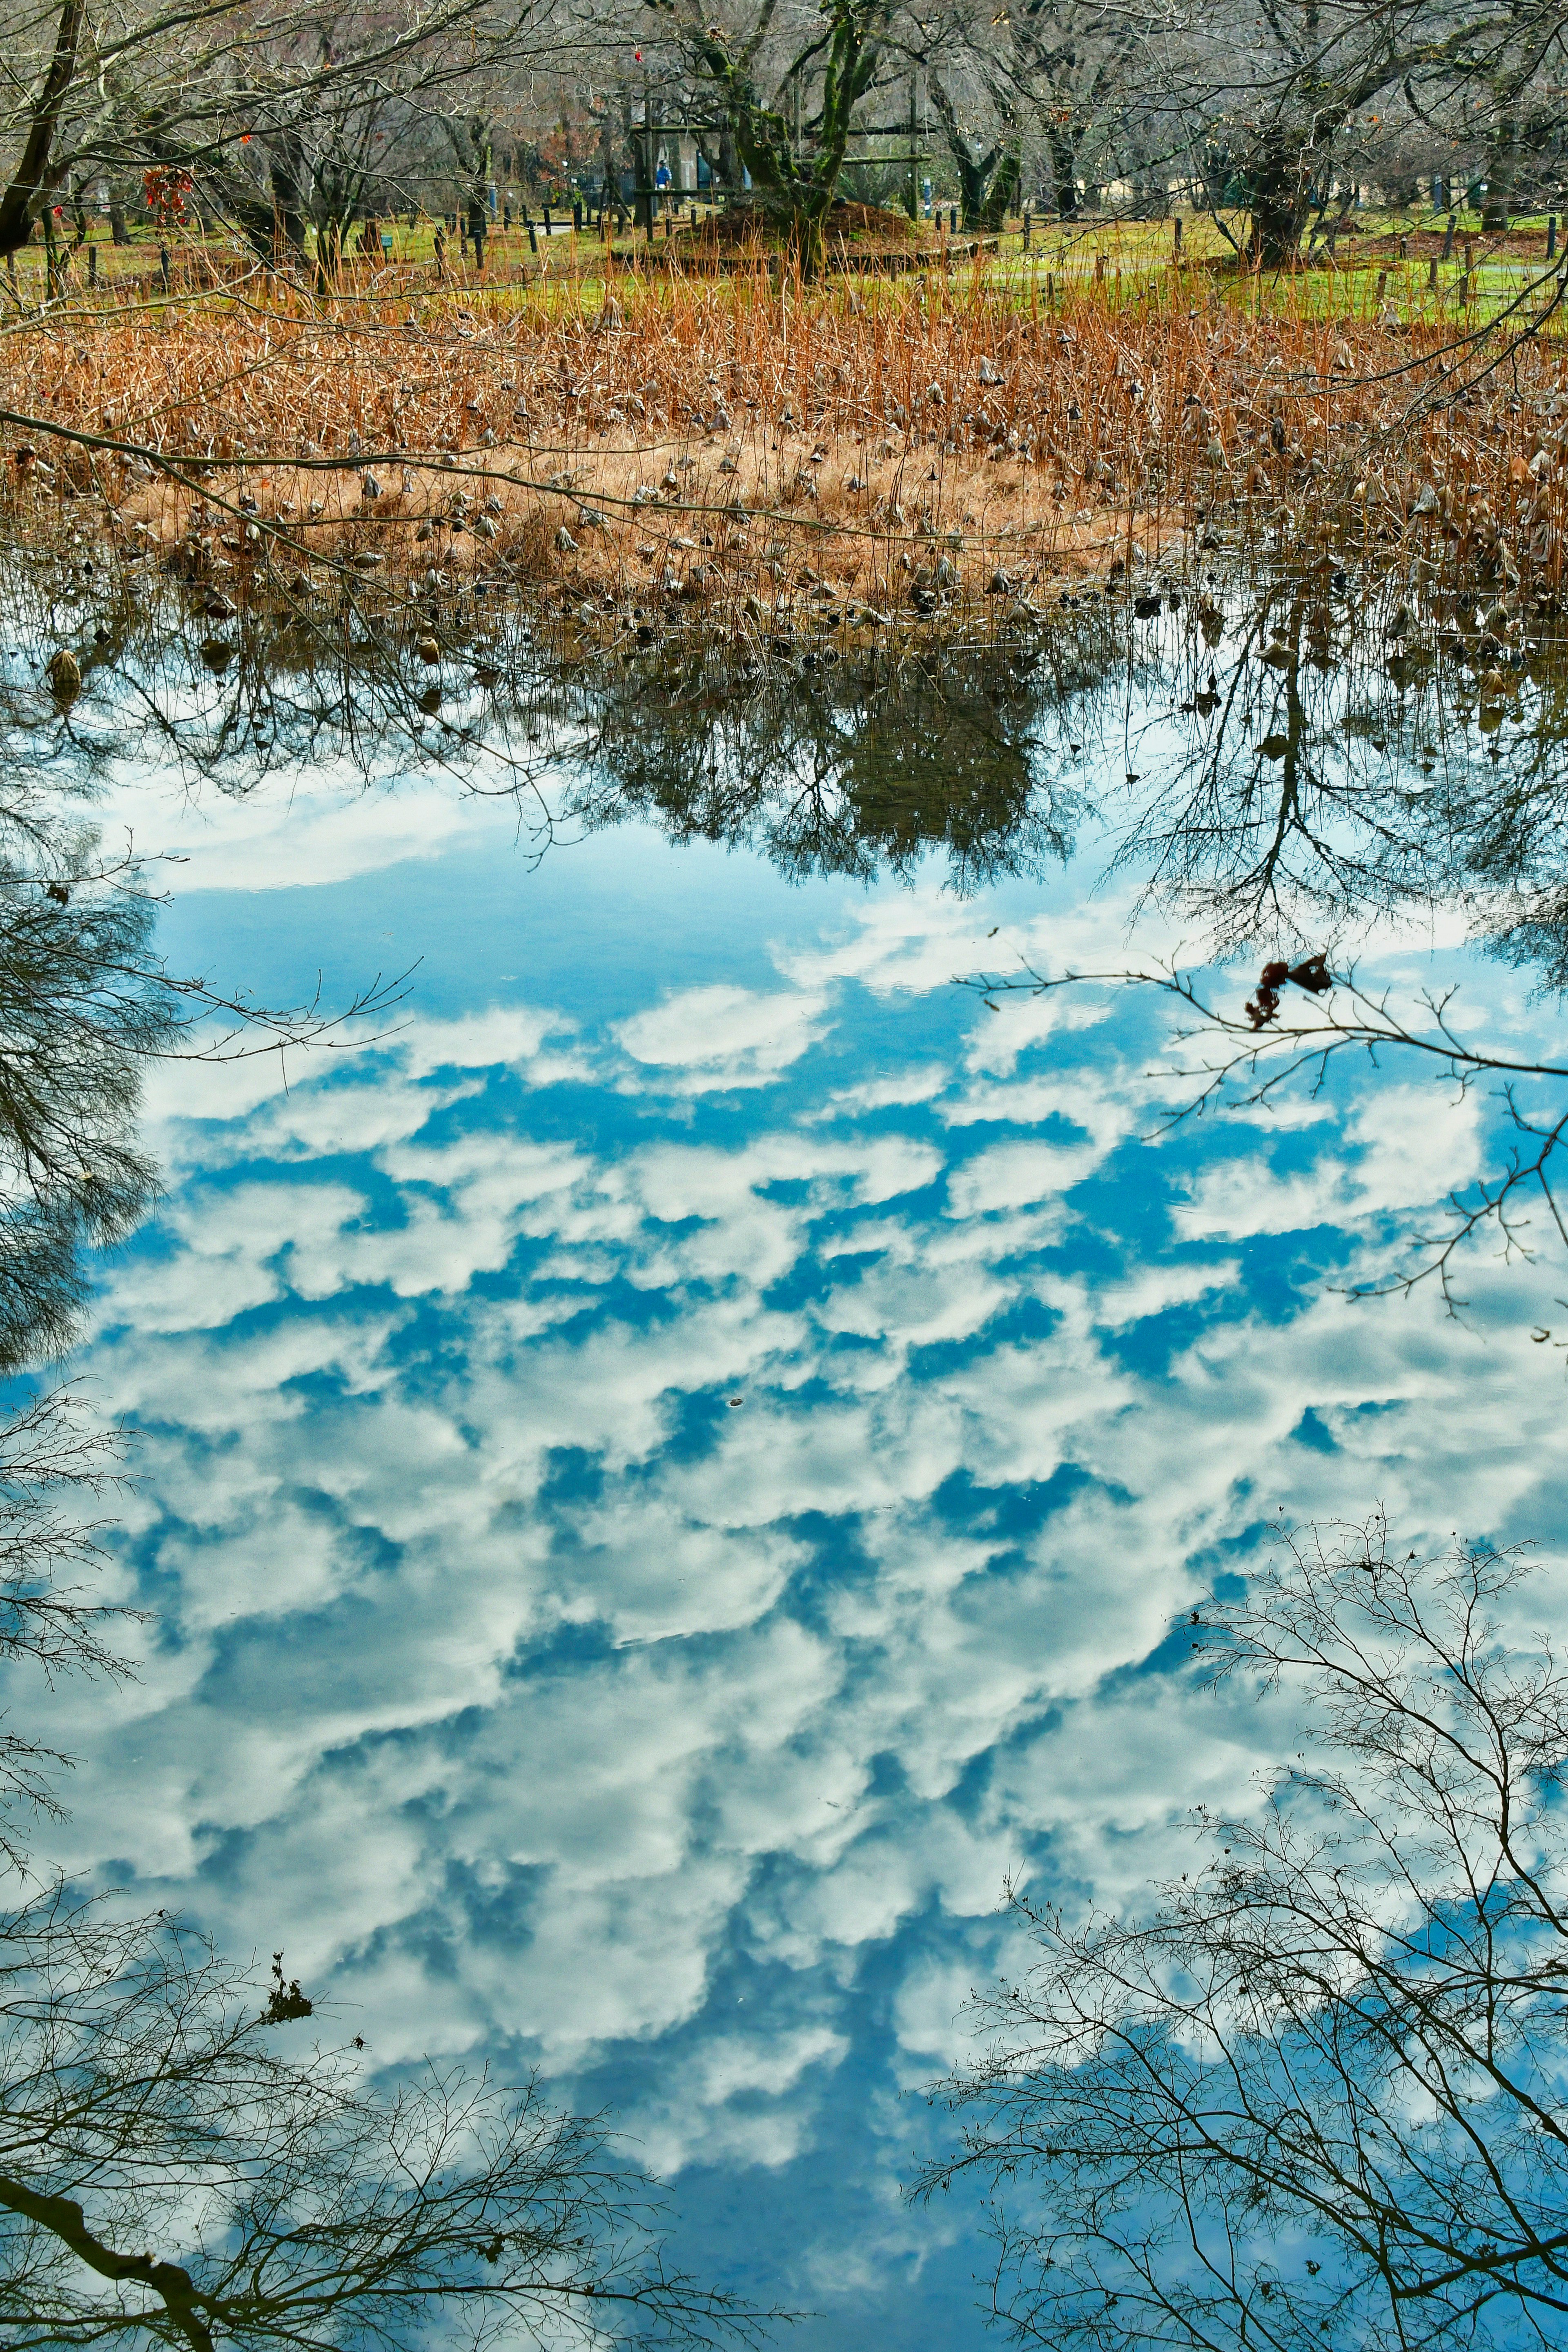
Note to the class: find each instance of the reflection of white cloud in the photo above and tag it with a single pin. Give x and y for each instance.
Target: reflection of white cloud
(330, 829)
(1156, 1287)
(704, 1038)
(1017, 1176)
(505, 1036)
(1406, 1144)
(914, 1306)
(1021, 1021)
(694, 2118)
(576, 1683)
(903, 1086)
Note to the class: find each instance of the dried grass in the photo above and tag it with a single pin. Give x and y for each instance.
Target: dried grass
(863, 453)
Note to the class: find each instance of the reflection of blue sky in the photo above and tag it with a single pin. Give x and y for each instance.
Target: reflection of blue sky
(541, 1701)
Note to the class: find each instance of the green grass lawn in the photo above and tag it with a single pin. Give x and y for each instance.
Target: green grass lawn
(1126, 261)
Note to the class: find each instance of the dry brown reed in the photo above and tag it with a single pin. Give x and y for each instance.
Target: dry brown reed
(881, 453)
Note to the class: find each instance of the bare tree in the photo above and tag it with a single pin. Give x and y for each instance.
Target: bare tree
(1317, 2098)
(1252, 1057)
(983, 132)
(188, 88)
(788, 84)
(53, 1462)
(170, 2175)
(470, 138)
(1057, 77)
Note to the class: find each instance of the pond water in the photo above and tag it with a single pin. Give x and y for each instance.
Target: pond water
(670, 1477)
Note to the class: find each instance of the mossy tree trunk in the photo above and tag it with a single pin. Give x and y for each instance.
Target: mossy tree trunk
(796, 188)
(1278, 198)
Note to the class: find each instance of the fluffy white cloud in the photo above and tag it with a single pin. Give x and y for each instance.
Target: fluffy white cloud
(578, 1684)
(701, 1039)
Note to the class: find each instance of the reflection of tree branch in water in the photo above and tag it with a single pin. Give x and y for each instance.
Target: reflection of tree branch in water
(853, 770)
(1322, 843)
(1262, 1057)
(85, 1004)
(271, 690)
(1286, 805)
(53, 1461)
(1348, 755)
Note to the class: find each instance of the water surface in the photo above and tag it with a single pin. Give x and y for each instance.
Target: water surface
(669, 1479)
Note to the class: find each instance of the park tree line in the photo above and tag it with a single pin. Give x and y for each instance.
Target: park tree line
(290, 124)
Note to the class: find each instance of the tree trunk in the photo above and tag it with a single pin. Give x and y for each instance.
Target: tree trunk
(48, 98)
(1502, 163)
(988, 184)
(797, 198)
(1279, 193)
(1064, 173)
(805, 241)
(1002, 195)
(972, 177)
(54, 265)
(329, 256)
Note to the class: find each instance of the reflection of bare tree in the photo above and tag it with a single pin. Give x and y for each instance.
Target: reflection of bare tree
(171, 2172)
(1316, 2098)
(53, 1462)
(82, 1006)
(1298, 757)
(856, 766)
(858, 770)
(1250, 1058)
(1279, 815)
(84, 1003)
(85, 1000)
(1347, 753)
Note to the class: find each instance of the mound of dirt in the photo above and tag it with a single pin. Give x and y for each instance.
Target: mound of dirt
(742, 224)
(847, 218)
(738, 225)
